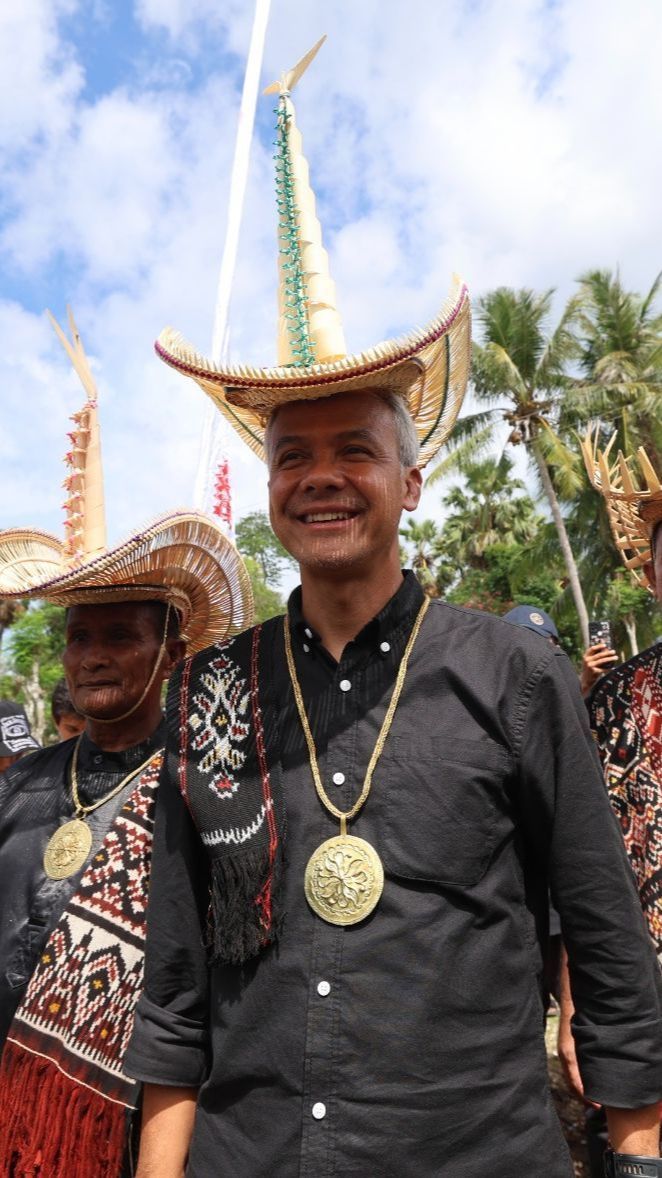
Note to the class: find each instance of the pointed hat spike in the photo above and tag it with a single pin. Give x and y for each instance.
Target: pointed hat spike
(289, 79)
(87, 504)
(626, 477)
(652, 481)
(76, 353)
(309, 326)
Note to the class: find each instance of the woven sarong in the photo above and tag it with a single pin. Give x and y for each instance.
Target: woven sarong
(65, 1103)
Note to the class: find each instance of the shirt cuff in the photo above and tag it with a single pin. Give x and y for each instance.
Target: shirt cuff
(621, 1065)
(166, 1048)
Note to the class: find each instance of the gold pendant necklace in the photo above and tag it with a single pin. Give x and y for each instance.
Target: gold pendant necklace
(68, 848)
(344, 877)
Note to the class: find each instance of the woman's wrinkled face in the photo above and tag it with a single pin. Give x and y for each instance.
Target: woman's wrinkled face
(336, 484)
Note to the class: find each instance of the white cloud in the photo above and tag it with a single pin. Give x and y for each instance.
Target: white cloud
(39, 78)
(515, 145)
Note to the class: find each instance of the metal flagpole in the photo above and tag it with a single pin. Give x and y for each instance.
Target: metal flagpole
(214, 434)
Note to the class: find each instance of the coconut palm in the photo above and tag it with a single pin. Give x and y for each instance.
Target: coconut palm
(485, 512)
(619, 350)
(519, 374)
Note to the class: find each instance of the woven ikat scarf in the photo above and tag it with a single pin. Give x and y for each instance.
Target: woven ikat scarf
(221, 726)
(65, 1103)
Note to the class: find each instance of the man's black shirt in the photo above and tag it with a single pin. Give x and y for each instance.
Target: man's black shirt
(410, 1044)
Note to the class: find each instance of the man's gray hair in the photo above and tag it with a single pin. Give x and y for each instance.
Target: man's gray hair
(408, 444)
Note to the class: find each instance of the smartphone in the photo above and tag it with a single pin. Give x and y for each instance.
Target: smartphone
(600, 632)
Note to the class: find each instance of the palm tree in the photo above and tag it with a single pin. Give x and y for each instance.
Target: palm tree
(423, 549)
(485, 512)
(619, 349)
(519, 373)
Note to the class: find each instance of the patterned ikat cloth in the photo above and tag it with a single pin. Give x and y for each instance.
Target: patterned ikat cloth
(626, 718)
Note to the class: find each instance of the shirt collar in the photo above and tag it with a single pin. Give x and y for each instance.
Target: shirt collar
(94, 759)
(386, 627)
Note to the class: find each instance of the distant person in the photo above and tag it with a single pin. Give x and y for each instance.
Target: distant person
(16, 739)
(66, 719)
(535, 619)
(597, 660)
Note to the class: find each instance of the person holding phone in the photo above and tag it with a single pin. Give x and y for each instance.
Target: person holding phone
(599, 656)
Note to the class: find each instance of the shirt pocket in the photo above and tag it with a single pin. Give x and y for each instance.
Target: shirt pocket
(444, 808)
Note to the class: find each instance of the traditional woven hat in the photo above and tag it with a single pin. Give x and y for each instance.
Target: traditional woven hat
(633, 499)
(429, 368)
(182, 558)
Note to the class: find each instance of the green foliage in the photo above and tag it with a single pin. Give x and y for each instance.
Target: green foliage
(32, 663)
(38, 637)
(268, 602)
(256, 539)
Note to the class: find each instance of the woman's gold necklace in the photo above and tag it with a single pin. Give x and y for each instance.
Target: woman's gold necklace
(344, 877)
(68, 848)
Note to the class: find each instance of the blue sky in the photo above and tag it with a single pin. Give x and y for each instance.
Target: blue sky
(516, 144)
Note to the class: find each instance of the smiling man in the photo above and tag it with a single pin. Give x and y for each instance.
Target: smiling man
(364, 805)
(76, 818)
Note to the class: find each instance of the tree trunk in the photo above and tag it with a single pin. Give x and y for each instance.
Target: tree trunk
(564, 542)
(631, 630)
(35, 703)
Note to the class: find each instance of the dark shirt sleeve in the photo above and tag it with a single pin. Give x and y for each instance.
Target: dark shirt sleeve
(169, 1041)
(615, 979)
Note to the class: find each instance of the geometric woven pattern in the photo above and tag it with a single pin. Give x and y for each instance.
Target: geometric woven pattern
(626, 717)
(79, 1005)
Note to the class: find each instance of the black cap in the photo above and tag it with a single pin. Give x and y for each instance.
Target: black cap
(15, 735)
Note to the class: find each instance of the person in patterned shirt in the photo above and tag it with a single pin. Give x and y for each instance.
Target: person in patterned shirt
(625, 710)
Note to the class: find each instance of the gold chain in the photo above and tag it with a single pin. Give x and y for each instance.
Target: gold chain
(80, 809)
(346, 816)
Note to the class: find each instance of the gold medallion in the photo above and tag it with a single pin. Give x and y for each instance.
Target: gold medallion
(344, 879)
(67, 849)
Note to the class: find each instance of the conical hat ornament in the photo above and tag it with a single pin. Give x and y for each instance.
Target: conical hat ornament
(633, 499)
(182, 558)
(429, 368)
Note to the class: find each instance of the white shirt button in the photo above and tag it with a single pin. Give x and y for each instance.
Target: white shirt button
(323, 988)
(308, 633)
(338, 779)
(385, 647)
(344, 685)
(319, 1110)
(306, 648)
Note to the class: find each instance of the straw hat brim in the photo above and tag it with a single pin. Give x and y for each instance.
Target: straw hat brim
(430, 368)
(182, 558)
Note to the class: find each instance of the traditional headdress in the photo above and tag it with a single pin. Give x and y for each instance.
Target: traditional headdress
(182, 558)
(429, 368)
(633, 499)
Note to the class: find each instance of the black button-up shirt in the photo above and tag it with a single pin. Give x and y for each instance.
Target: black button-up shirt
(35, 799)
(411, 1044)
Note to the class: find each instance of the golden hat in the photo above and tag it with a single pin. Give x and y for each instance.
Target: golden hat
(429, 368)
(182, 558)
(633, 498)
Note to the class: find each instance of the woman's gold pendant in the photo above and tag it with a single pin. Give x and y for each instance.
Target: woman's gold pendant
(344, 879)
(67, 849)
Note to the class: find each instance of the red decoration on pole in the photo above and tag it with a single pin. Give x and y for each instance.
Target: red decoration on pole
(222, 494)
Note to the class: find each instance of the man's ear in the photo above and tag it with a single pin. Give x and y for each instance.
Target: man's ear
(175, 651)
(413, 488)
